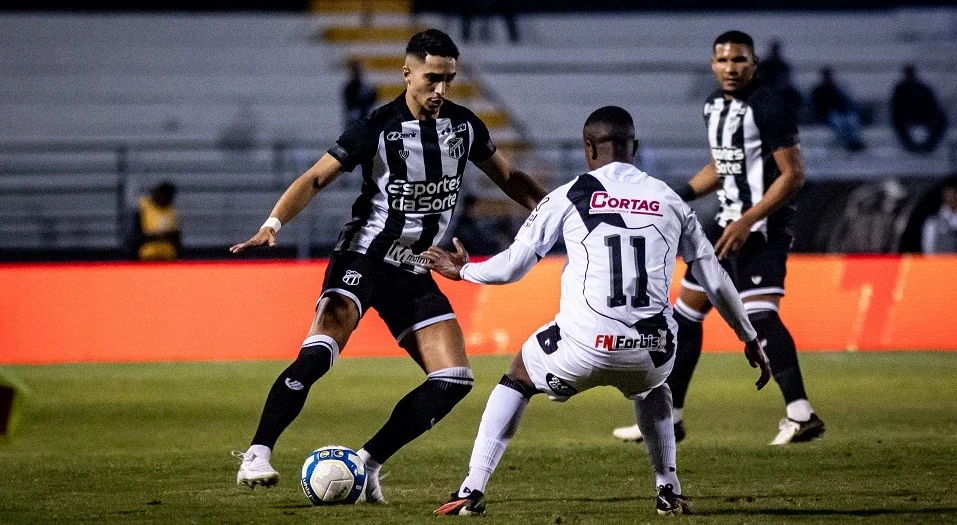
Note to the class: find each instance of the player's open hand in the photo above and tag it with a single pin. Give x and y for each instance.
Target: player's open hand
(733, 238)
(758, 359)
(265, 236)
(447, 264)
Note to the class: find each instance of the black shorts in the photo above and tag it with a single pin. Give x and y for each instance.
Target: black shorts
(404, 300)
(758, 268)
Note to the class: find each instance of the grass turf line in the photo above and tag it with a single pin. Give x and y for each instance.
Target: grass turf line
(149, 443)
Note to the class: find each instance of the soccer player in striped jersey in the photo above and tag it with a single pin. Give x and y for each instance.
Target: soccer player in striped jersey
(623, 230)
(412, 152)
(756, 169)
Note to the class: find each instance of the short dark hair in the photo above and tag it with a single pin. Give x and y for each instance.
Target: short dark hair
(734, 37)
(610, 124)
(431, 42)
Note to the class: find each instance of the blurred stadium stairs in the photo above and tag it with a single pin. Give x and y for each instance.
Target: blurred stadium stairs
(375, 32)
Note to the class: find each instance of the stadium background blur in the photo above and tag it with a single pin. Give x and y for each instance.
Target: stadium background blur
(230, 101)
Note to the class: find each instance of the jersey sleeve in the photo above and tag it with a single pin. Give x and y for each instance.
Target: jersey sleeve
(776, 121)
(357, 144)
(543, 227)
(482, 146)
(693, 243)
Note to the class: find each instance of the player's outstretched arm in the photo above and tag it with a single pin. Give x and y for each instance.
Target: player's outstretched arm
(295, 199)
(515, 183)
(506, 267)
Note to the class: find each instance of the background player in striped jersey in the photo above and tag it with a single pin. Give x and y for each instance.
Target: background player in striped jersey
(756, 169)
(413, 153)
(622, 229)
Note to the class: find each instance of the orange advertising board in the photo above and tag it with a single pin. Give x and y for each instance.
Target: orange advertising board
(54, 313)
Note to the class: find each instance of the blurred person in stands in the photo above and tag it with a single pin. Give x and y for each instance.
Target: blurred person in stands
(240, 132)
(412, 153)
(939, 234)
(156, 234)
(834, 107)
(484, 10)
(918, 119)
(775, 72)
(357, 96)
(756, 169)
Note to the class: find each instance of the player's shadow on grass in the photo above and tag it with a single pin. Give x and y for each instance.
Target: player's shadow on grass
(821, 512)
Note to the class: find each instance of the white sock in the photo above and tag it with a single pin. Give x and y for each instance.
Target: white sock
(261, 452)
(677, 415)
(654, 420)
(799, 410)
(372, 466)
(503, 412)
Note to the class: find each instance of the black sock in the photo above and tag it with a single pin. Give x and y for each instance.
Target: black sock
(288, 394)
(782, 353)
(419, 411)
(690, 336)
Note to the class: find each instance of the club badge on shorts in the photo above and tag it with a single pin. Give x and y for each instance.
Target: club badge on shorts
(351, 277)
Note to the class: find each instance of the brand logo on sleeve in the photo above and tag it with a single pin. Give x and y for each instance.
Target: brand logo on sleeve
(395, 135)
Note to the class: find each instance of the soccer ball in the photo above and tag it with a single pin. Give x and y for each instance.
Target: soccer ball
(333, 474)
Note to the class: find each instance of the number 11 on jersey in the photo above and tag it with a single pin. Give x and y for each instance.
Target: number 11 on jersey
(618, 297)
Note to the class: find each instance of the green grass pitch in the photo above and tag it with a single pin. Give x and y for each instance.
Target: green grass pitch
(150, 443)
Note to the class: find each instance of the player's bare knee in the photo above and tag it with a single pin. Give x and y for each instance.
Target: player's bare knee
(336, 314)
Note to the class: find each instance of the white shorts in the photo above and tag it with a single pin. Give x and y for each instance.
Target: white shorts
(561, 368)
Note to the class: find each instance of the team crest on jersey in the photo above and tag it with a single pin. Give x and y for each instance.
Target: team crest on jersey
(404, 154)
(456, 147)
(734, 122)
(351, 277)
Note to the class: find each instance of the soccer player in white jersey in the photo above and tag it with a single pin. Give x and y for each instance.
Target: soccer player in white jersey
(623, 230)
(413, 152)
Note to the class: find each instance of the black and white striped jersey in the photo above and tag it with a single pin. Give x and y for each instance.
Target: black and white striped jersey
(743, 133)
(411, 176)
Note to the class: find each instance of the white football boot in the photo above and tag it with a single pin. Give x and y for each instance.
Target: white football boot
(632, 433)
(791, 431)
(255, 470)
(372, 492)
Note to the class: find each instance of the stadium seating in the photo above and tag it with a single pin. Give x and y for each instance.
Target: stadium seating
(101, 107)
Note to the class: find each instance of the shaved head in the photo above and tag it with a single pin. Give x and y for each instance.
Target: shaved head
(610, 124)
